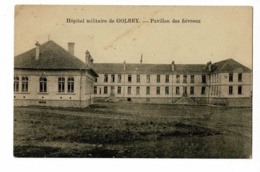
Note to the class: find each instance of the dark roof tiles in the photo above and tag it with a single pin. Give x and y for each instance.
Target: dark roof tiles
(52, 56)
(147, 68)
(229, 65)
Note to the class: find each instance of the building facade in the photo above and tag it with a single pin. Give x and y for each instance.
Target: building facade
(49, 75)
(223, 83)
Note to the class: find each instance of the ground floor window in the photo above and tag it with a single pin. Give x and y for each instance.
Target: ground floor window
(166, 90)
(16, 84)
(157, 90)
(105, 89)
(118, 90)
(230, 90)
(184, 91)
(128, 90)
(191, 90)
(147, 90)
(61, 84)
(239, 90)
(177, 90)
(203, 90)
(25, 84)
(43, 84)
(137, 90)
(95, 89)
(70, 85)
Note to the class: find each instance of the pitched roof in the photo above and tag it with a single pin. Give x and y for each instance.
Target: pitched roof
(110, 68)
(229, 65)
(52, 56)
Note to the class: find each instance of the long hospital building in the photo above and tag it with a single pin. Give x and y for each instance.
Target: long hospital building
(49, 75)
(223, 83)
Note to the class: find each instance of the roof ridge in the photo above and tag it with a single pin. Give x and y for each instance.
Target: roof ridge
(148, 64)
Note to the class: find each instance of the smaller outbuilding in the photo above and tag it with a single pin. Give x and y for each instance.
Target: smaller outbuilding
(49, 75)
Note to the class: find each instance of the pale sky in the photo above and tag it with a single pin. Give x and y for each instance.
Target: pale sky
(224, 32)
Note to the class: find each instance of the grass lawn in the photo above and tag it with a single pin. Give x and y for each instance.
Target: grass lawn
(129, 130)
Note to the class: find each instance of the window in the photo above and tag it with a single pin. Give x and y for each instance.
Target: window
(95, 89)
(119, 78)
(118, 90)
(96, 79)
(230, 89)
(100, 90)
(203, 90)
(148, 78)
(166, 90)
(70, 85)
(239, 89)
(191, 90)
(184, 78)
(157, 90)
(129, 78)
(43, 85)
(128, 90)
(185, 91)
(105, 78)
(192, 79)
(230, 77)
(105, 89)
(25, 84)
(147, 90)
(177, 78)
(177, 90)
(137, 90)
(167, 78)
(61, 84)
(203, 78)
(137, 78)
(158, 78)
(239, 77)
(112, 78)
(16, 84)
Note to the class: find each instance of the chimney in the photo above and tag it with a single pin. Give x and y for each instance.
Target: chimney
(141, 61)
(209, 64)
(91, 62)
(124, 66)
(37, 54)
(71, 48)
(88, 58)
(173, 65)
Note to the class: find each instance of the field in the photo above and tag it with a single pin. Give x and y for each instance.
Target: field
(129, 130)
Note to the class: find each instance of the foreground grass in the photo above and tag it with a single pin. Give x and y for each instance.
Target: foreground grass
(133, 131)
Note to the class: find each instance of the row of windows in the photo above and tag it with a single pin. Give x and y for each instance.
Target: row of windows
(24, 84)
(158, 78)
(239, 90)
(43, 84)
(214, 90)
(158, 90)
(239, 77)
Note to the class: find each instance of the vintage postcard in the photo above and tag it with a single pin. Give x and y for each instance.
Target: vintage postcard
(133, 81)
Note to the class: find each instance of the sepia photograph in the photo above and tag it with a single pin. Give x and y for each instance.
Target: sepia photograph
(124, 81)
